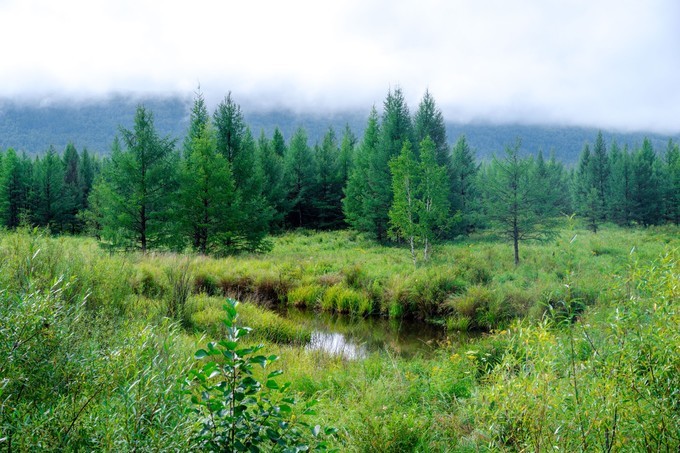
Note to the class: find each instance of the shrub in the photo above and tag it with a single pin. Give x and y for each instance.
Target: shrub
(237, 411)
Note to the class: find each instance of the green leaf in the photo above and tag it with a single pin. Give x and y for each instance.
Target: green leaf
(316, 430)
(201, 354)
(272, 384)
(274, 374)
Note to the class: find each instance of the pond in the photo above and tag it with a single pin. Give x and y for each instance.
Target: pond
(355, 337)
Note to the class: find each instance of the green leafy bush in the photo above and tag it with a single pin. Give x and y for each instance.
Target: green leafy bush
(237, 411)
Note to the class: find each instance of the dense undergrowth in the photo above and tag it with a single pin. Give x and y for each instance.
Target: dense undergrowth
(96, 348)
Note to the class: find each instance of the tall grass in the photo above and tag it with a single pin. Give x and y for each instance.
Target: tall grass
(98, 345)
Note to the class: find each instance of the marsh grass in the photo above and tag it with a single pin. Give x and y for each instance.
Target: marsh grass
(96, 363)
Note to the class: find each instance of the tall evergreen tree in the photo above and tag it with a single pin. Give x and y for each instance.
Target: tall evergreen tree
(15, 186)
(48, 185)
(646, 192)
(601, 171)
(346, 158)
(358, 188)
(137, 187)
(428, 121)
(328, 185)
(584, 181)
(207, 196)
(278, 143)
(237, 145)
(72, 192)
(512, 200)
(550, 177)
(464, 194)
(87, 175)
(620, 204)
(299, 177)
(273, 184)
(198, 121)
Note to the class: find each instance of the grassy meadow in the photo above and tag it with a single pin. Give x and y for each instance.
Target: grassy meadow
(580, 350)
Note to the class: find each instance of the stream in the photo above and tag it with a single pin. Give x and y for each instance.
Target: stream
(355, 337)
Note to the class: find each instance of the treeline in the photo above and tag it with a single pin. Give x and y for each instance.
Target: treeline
(223, 190)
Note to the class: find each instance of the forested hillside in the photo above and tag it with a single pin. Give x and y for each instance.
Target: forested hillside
(34, 126)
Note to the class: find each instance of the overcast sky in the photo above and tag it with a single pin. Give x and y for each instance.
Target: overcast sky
(605, 63)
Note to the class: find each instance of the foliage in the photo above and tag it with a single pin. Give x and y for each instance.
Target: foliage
(513, 199)
(238, 413)
(136, 188)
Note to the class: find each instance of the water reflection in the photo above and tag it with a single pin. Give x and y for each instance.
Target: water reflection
(355, 337)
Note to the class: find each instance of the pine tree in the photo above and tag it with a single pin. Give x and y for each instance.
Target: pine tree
(72, 195)
(601, 171)
(255, 212)
(346, 158)
(88, 171)
(583, 182)
(237, 145)
(464, 194)
(550, 178)
(278, 143)
(273, 185)
(620, 205)
(49, 206)
(299, 177)
(198, 121)
(134, 198)
(428, 121)
(327, 192)
(358, 188)
(207, 196)
(14, 189)
(646, 194)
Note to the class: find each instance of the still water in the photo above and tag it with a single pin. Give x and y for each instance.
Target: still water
(354, 337)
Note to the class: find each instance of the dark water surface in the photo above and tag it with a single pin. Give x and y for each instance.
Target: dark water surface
(355, 337)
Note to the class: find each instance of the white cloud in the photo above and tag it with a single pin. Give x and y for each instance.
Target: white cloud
(606, 63)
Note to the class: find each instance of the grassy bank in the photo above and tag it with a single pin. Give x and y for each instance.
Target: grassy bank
(96, 348)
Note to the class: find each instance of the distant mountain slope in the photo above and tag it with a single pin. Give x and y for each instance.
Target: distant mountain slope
(33, 128)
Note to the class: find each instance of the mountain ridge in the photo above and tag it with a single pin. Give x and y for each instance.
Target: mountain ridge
(33, 126)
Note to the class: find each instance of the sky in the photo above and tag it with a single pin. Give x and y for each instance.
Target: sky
(613, 64)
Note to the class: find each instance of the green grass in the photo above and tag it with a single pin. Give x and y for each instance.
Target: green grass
(96, 356)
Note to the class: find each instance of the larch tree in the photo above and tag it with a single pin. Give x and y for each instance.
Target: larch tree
(15, 186)
(273, 188)
(358, 187)
(512, 200)
(464, 193)
(646, 193)
(48, 205)
(327, 193)
(134, 196)
(206, 195)
(620, 204)
(299, 179)
(428, 121)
